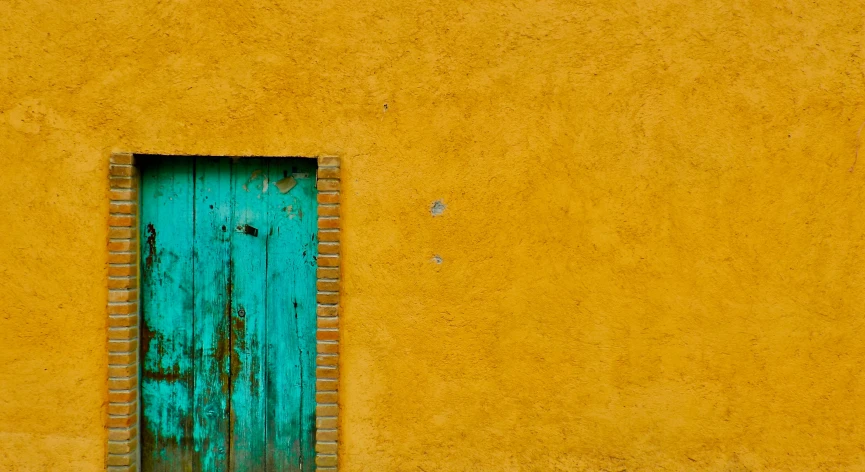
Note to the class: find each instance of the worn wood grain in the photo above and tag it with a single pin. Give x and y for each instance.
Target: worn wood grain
(249, 259)
(291, 318)
(212, 312)
(167, 310)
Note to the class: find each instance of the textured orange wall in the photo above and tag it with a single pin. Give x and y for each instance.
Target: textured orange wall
(652, 251)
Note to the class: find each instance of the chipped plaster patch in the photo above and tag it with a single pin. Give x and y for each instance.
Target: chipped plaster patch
(437, 208)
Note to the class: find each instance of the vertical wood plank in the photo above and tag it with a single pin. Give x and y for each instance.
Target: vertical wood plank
(291, 315)
(212, 313)
(248, 256)
(167, 315)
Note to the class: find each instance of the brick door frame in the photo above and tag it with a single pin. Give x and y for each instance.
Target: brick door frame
(123, 419)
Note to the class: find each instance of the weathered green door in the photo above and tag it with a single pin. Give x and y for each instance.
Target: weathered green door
(228, 314)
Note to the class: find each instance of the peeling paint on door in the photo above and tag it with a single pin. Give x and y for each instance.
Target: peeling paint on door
(228, 330)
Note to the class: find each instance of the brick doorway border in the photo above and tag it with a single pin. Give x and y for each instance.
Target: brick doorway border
(122, 420)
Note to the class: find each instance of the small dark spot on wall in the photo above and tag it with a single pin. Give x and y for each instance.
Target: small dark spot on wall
(437, 259)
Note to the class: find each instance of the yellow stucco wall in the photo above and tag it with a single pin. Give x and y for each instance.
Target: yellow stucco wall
(652, 247)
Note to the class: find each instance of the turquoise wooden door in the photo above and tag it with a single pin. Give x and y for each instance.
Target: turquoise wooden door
(228, 314)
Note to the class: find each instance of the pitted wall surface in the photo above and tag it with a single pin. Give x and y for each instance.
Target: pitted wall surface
(648, 254)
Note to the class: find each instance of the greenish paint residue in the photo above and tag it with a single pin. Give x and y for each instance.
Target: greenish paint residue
(228, 305)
